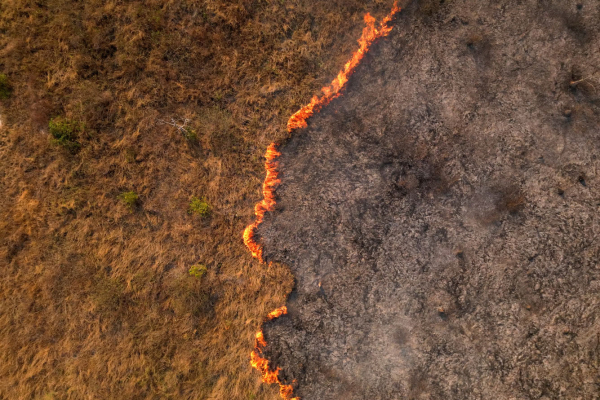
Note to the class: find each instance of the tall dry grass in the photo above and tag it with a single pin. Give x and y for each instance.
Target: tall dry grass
(96, 301)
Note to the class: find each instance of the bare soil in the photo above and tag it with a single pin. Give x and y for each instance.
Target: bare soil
(441, 218)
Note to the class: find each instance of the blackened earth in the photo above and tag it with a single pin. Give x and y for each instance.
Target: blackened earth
(442, 217)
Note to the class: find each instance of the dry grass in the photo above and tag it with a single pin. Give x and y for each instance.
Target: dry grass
(96, 301)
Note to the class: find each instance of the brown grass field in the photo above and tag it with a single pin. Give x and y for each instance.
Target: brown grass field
(96, 298)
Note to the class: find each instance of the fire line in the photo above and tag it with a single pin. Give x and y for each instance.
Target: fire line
(298, 120)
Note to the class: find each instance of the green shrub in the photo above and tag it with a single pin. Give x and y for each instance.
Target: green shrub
(199, 206)
(190, 134)
(198, 270)
(130, 199)
(65, 132)
(130, 155)
(5, 88)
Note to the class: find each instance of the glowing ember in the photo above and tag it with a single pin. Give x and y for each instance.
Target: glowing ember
(298, 120)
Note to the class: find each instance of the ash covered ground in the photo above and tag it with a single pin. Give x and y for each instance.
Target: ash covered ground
(442, 217)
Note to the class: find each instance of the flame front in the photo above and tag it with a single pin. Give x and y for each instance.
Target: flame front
(267, 203)
(298, 120)
(262, 364)
(277, 313)
(369, 35)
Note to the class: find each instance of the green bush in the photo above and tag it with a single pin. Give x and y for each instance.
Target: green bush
(65, 132)
(130, 199)
(5, 88)
(199, 206)
(198, 270)
(190, 134)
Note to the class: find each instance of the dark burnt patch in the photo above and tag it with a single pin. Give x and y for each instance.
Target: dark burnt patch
(439, 216)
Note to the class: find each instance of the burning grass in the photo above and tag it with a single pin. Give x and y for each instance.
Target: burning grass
(260, 363)
(298, 120)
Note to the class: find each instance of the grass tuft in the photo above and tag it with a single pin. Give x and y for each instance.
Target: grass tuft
(199, 207)
(65, 132)
(198, 270)
(5, 87)
(130, 199)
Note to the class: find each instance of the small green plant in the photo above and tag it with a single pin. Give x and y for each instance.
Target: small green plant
(218, 95)
(5, 87)
(130, 155)
(65, 132)
(49, 396)
(199, 206)
(197, 270)
(155, 36)
(130, 199)
(190, 134)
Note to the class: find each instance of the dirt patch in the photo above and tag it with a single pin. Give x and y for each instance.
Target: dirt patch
(441, 218)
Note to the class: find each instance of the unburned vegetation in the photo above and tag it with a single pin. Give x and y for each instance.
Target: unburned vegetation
(99, 296)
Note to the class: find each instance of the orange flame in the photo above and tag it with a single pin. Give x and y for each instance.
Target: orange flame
(262, 364)
(298, 120)
(369, 35)
(267, 203)
(277, 313)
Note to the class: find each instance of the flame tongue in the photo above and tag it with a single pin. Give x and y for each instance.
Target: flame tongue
(277, 313)
(298, 120)
(369, 35)
(267, 203)
(262, 364)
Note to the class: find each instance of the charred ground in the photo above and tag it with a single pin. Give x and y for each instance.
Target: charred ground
(441, 218)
